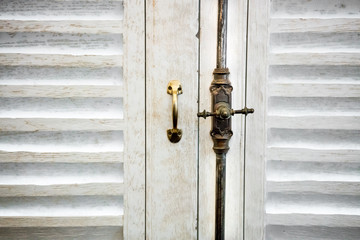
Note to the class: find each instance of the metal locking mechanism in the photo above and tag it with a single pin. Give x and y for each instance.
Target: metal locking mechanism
(221, 132)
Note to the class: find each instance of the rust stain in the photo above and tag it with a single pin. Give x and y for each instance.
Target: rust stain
(154, 3)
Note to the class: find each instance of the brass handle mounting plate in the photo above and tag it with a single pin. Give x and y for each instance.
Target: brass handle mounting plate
(174, 88)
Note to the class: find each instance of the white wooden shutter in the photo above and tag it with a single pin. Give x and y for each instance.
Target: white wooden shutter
(62, 121)
(313, 120)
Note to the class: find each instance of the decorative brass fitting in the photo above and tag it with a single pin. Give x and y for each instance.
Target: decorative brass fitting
(174, 88)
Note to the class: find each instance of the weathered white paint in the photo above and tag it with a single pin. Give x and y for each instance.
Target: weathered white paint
(256, 123)
(61, 43)
(60, 60)
(72, 75)
(60, 124)
(207, 170)
(312, 145)
(314, 89)
(42, 221)
(314, 122)
(28, 189)
(171, 54)
(64, 108)
(234, 176)
(135, 115)
(61, 141)
(318, 25)
(67, 233)
(318, 8)
(279, 232)
(64, 157)
(323, 187)
(315, 58)
(60, 91)
(76, 26)
(63, 115)
(313, 154)
(62, 10)
(296, 106)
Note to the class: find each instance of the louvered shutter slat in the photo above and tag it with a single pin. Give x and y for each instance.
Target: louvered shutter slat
(313, 146)
(75, 26)
(61, 119)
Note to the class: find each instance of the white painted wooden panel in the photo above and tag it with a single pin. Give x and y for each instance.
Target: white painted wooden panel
(135, 115)
(60, 60)
(171, 169)
(63, 233)
(63, 101)
(255, 126)
(62, 26)
(311, 150)
(61, 10)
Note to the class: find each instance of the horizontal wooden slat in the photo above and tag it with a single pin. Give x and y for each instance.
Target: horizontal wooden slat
(314, 122)
(313, 155)
(297, 219)
(61, 157)
(74, 189)
(61, 221)
(75, 26)
(280, 232)
(60, 91)
(278, 25)
(60, 124)
(65, 233)
(314, 58)
(59, 60)
(324, 187)
(314, 90)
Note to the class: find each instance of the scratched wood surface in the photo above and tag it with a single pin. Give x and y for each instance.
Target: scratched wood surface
(171, 54)
(135, 115)
(62, 120)
(255, 123)
(310, 146)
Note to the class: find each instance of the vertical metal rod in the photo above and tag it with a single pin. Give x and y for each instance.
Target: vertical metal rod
(221, 80)
(221, 113)
(220, 195)
(221, 34)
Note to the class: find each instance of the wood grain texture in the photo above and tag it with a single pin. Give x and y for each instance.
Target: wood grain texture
(60, 124)
(207, 177)
(76, 26)
(62, 233)
(59, 60)
(279, 232)
(60, 91)
(62, 10)
(314, 122)
(324, 187)
(313, 155)
(102, 188)
(255, 123)
(315, 58)
(305, 25)
(60, 77)
(171, 169)
(314, 90)
(135, 115)
(330, 220)
(61, 221)
(318, 8)
(61, 157)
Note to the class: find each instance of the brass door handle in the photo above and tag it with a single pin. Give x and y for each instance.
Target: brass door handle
(174, 88)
